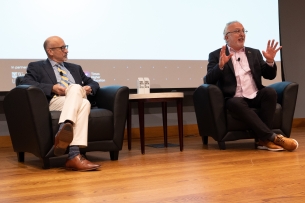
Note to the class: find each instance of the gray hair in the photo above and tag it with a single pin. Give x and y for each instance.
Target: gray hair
(229, 23)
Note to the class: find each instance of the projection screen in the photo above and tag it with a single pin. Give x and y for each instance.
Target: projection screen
(118, 41)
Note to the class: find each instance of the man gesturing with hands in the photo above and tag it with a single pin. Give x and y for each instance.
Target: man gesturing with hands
(237, 70)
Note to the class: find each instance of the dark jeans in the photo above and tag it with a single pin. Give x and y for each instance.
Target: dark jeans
(261, 124)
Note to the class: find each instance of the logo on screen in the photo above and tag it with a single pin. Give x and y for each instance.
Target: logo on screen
(97, 77)
(16, 74)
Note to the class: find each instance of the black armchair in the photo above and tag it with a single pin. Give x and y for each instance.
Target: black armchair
(215, 121)
(33, 127)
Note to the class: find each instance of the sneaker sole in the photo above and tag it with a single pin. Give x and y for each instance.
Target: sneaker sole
(65, 138)
(269, 149)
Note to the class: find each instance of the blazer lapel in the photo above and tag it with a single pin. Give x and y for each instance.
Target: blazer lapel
(250, 58)
(50, 71)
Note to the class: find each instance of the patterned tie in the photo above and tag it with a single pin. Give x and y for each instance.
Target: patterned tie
(64, 78)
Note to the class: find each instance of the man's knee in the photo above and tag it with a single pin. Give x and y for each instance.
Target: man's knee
(76, 89)
(269, 93)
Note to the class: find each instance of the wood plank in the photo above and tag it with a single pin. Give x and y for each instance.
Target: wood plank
(157, 131)
(198, 174)
(298, 122)
(5, 141)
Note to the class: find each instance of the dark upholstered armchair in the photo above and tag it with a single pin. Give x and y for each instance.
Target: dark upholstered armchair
(33, 127)
(215, 121)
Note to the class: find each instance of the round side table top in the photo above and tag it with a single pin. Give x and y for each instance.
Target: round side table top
(157, 95)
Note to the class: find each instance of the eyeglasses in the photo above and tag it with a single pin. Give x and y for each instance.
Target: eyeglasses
(63, 48)
(238, 32)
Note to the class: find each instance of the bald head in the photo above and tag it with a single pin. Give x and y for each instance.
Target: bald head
(50, 41)
(56, 49)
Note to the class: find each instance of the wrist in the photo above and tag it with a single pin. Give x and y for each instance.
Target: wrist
(220, 66)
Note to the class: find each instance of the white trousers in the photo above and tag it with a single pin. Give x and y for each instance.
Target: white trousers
(76, 108)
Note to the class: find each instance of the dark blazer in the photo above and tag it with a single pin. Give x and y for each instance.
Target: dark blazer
(226, 79)
(41, 74)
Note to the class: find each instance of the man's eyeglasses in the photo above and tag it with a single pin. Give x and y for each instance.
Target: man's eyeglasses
(63, 48)
(238, 32)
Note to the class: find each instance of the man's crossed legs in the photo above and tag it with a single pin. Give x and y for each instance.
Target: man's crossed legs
(261, 124)
(73, 131)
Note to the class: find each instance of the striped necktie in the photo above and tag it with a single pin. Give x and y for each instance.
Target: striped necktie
(64, 78)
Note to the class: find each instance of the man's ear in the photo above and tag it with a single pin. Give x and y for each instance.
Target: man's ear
(50, 52)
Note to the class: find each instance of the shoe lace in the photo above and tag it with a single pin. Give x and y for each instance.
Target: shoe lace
(82, 157)
(280, 139)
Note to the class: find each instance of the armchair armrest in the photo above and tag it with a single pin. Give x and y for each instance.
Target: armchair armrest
(286, 96)
(210, 111)
(27, 111)
(115, 99)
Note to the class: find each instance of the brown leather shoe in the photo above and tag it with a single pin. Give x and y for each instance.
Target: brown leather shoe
(79, 163)
(63, 139)
(268, 145)
(287, 143)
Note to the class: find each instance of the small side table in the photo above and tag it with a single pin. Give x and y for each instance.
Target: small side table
(155, 97)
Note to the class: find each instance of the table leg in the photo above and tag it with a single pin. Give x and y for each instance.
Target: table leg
(180, 122)
(141, 122)
(129, 125)
(164, 118)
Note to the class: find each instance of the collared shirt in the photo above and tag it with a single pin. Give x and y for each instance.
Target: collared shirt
(58, 77)
(246, 86)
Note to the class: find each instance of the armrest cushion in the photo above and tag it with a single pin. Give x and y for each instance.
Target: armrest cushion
(210, 111)
(115, 99)
(28, 118)
(285, 90)
(287, 96)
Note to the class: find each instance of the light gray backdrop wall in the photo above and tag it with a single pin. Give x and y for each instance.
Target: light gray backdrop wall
(292, 35)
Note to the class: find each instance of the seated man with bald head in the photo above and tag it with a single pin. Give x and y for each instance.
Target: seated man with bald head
(66, 88)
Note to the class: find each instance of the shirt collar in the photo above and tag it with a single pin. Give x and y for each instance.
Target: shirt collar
(53, 63)
(232, 50)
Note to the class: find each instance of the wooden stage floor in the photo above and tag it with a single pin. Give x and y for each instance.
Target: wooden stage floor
(198, 174)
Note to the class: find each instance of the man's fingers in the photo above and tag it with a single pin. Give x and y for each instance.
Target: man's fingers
(275, 45)
(272, 43)
(268, 44)
(278, 49)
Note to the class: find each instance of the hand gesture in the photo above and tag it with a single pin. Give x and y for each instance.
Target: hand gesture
(271, 51)
(223, 58)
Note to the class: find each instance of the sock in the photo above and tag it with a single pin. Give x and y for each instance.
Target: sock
(73, 151)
